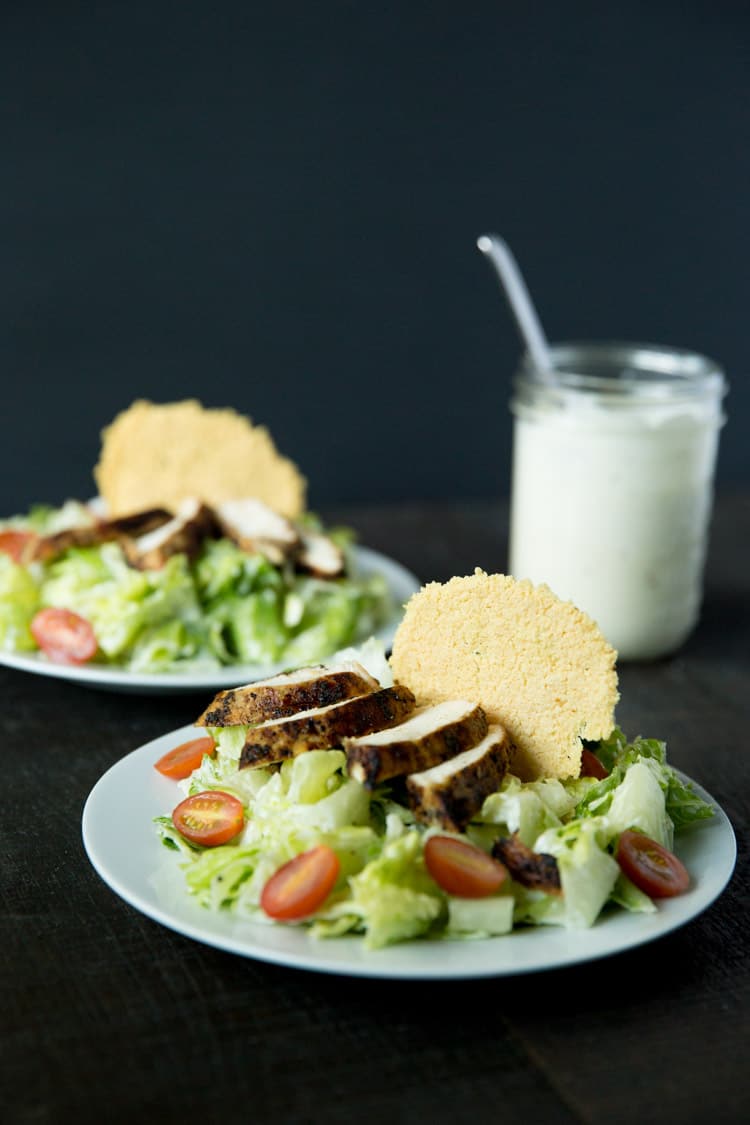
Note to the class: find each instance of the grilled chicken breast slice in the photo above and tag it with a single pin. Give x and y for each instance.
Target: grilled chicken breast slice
(183, 534)
(319, 555)
(138, 523)
(535, 870)
(451, 793)
(47, 547)
(428, 737)
(324, 727)
(256, 528)
(287, 694)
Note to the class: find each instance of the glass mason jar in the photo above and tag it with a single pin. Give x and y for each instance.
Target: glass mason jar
(612, 485)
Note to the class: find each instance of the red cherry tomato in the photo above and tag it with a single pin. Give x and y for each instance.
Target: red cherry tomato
(591, 766)
(64, 636)
(650, 866)
(303, 884)
(209, 818)
(183, 759)
(461, 869)
(15, 543)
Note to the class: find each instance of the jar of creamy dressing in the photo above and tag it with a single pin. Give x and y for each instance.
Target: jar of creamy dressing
(612, 484)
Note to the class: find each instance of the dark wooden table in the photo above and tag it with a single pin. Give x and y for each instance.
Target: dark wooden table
(106, 1016)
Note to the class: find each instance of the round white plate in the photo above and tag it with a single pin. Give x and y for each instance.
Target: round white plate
(401, 585)
(124, 848)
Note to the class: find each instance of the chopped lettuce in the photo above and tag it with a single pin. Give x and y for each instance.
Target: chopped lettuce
(587, 872)
(630, 897)
(46, 520)
(19, 600)
(226, 606)
(638, 802)
(682, 803)
(122, 603)
(527, 809)
(394, 895)
(480, 917)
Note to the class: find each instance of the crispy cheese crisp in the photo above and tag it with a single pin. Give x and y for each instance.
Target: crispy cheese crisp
(156, 455)
(538, 665)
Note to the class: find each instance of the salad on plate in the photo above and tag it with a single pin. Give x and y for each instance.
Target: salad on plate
(82, 589)
(474, 783)
(199, 553)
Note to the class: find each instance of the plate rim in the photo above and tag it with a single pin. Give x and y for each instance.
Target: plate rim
(293, 947)
(398, 577)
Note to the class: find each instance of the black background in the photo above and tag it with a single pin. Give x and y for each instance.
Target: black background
(275, 207)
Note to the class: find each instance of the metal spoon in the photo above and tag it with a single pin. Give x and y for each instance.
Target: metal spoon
(520, 303)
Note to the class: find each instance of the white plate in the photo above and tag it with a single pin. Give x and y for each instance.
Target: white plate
(401, 585)
(124, 848)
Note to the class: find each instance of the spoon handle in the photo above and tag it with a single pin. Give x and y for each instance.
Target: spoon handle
(519, 299)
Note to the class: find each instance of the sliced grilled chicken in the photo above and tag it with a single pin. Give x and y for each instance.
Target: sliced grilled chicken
(256, 528)
(183, 534)
(319, 555)
(451, 793)
(138, 523)
(48, 547)
(323, 727)
(532, 869)
(287, 694)
(430, 735)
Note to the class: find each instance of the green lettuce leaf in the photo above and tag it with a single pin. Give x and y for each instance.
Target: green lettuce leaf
(588, 872)
(19, 601)
(630, 897)
(682, 803)
(395, 896)
(638, 802)
(526, 808)
(480, 917)
(119, 601)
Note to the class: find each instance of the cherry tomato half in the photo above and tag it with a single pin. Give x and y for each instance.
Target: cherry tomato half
(183, 759)
(591, 766)
(461, 869)
(209, 818)
(15, 543)
(63, 636)
(303, 884)
(650, 866)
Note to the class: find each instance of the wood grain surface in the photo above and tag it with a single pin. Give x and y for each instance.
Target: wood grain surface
(106, 1016)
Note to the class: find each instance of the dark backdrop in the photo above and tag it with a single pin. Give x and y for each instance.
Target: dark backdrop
(275, 206)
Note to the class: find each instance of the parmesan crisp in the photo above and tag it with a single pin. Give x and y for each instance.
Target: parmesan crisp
(156, 455)
(538, 665)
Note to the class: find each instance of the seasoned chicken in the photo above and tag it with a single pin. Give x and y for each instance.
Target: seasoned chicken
(287, 694)
(451, 793)
(47, 547)
(138, 523)
(256, 528)
(183, 534)
(532, 869)
(319, 555)
(429, 736)
(324, 727)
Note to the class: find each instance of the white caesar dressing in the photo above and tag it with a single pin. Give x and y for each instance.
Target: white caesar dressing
(611, 499)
